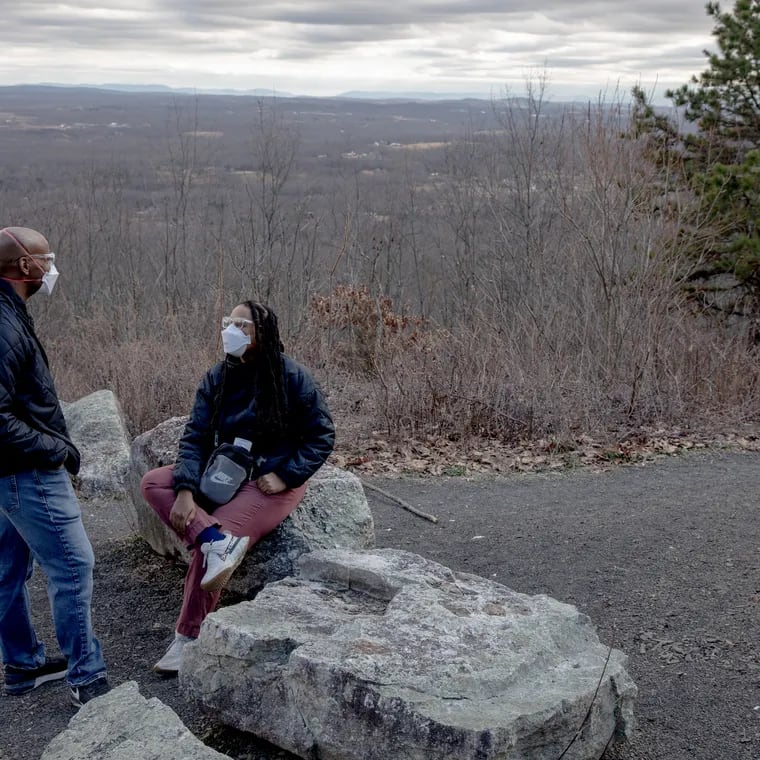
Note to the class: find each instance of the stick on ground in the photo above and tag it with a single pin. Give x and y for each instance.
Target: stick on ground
(395, 499)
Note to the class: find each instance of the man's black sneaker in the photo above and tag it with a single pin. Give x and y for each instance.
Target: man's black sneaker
(20, 680)
(96, 688)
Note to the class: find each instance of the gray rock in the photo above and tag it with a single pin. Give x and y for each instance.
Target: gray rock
(333, 513)
(96, 426)
(123, 725)
(389, 655)
(156, 448)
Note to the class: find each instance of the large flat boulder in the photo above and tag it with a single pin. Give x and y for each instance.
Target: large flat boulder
(333, 513)
(123, 724)
(96, 425)
(376, 655)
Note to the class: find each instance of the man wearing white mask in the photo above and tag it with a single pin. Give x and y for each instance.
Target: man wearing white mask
(259, 428)
(40, 518)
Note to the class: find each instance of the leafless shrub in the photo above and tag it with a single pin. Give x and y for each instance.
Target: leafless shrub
(154, 371)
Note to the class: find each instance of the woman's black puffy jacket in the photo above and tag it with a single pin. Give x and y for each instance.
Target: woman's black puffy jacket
(294, 456)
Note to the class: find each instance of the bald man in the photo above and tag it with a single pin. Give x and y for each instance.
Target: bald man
(40, 518)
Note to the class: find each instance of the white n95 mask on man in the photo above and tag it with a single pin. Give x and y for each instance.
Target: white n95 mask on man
(48, 281)
(235, 341)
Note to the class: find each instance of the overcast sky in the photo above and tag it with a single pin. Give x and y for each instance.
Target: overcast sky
(324, 47)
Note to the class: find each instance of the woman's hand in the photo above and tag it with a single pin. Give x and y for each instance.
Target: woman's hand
(183, 511)
(270, 484)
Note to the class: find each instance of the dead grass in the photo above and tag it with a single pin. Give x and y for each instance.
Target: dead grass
(409, 396)
(154, 376)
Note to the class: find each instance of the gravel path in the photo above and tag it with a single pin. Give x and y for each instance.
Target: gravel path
(663, 558)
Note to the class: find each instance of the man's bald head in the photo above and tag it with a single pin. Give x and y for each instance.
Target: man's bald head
(20, 241)
(21, 251)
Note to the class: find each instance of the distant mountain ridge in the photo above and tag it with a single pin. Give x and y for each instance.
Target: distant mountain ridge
(379, 97)
(120, 87)
(263, 92)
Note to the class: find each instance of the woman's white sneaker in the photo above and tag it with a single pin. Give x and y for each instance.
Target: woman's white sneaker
(168, 665)
(221, 558)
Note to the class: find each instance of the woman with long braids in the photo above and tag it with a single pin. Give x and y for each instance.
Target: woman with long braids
(257, 394)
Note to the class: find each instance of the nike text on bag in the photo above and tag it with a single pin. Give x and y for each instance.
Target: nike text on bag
(228, 468)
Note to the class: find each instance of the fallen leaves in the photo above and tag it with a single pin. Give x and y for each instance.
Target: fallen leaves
(378, 454)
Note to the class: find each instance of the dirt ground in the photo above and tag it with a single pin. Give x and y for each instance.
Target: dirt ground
(663, 558)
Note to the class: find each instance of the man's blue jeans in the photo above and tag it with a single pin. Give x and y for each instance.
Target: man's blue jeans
(40, 519)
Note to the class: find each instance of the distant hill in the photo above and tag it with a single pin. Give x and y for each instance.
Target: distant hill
(120, 87)
(263, 92)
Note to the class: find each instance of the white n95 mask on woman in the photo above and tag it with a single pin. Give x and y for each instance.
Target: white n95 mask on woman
(235, 341)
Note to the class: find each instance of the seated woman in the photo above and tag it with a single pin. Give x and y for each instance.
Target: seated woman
(263, 397)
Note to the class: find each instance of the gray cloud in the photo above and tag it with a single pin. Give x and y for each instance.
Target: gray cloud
(455, 39)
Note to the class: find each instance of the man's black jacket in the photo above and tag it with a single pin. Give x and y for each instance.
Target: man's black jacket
(294, 456)
(33, 432)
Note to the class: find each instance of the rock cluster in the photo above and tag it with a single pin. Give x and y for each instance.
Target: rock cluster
(350, 654)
